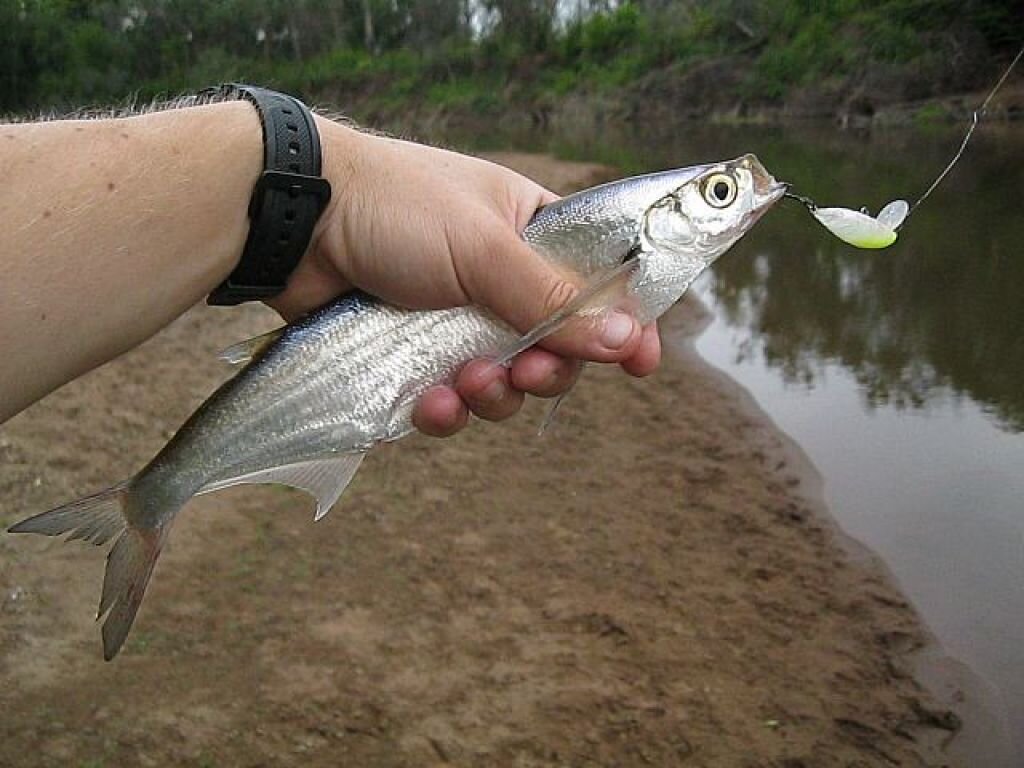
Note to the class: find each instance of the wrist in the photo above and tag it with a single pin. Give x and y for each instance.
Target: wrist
(342, 148)
(286, 201)
(321, 274)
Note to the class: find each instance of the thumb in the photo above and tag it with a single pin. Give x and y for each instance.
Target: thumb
(524, 289)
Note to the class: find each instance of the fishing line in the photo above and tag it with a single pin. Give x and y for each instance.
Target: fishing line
(975, 117)
(811, 205)
(859, 228)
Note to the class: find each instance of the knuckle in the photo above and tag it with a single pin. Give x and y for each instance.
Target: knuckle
(499, 410)
(561, 381)
(559, 292)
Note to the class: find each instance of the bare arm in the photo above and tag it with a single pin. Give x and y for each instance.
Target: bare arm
(112, 229)
(115, 227)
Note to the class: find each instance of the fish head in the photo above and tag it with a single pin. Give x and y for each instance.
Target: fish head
(704, 216)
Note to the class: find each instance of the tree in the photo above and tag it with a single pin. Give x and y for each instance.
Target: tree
(529, 23)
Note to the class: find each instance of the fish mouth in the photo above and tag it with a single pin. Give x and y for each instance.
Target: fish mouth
(764, 200)
(767, 191)
(775, 192)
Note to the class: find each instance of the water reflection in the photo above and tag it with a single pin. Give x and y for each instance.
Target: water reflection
(941, 312)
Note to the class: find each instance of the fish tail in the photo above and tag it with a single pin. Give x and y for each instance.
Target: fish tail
(98, 519)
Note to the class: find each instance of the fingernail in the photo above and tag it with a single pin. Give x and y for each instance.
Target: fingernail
(618, 328)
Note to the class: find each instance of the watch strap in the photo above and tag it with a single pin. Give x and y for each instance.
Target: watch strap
(286, 202)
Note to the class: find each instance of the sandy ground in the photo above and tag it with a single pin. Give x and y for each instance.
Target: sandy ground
(649, 584)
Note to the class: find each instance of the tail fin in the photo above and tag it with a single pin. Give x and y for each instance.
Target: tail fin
(97, 519)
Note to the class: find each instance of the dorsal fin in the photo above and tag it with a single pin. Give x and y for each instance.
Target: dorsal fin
(244, 351)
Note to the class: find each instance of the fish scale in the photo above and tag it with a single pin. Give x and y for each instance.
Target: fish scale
(308, 406)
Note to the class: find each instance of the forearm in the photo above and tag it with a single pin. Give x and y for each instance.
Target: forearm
(112, 228)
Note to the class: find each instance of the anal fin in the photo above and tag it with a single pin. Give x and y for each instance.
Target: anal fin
(324, 479)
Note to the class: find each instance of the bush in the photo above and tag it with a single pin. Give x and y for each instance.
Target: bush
(604, 36)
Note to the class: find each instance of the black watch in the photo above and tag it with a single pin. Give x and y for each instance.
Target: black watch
(286, 202)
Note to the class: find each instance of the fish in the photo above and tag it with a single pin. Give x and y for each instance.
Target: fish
(314, 397)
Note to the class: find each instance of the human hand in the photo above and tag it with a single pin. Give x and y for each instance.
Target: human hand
(425, 228)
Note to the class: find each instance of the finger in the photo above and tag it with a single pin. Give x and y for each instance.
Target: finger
(485, 388)
(537, 291)
(440, 412)
(543, 373)
(612, 336)
(647, 357)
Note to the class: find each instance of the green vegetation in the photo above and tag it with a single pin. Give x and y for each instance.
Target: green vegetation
(930, 113)
(483, 56)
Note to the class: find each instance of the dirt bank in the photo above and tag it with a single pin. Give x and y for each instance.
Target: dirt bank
(708, 92)
(649, 584)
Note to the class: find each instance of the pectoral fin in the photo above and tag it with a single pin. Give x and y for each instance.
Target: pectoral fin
(324, 479)
(549, 415)
(610, 290)
(552, 410)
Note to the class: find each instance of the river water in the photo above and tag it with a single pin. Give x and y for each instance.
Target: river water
(899, 372)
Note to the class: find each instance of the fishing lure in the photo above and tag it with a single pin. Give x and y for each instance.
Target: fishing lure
(862, 230)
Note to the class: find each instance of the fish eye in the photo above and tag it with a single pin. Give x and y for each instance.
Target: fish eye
(719, 190)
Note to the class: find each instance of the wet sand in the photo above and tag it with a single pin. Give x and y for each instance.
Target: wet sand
(652, 583)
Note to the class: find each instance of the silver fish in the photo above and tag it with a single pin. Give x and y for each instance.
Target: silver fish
(318, 394)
